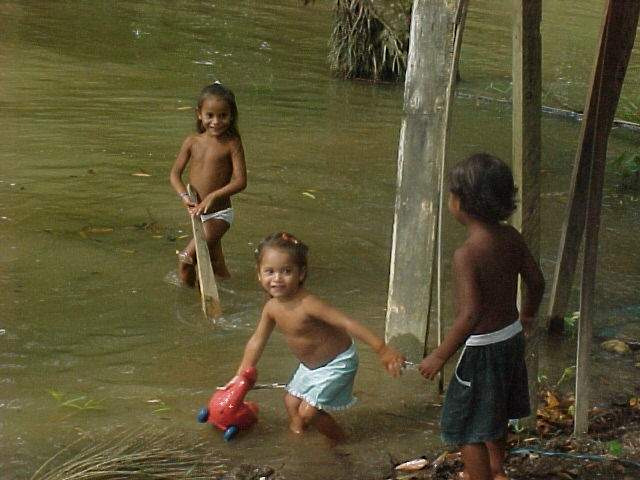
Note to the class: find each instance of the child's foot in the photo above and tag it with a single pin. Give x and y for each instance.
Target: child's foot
(183, 257)
(337, 439)
(221, 272)
(334, 442)
(296, 427)
(186, 269)
(222, 277)
(465, 476)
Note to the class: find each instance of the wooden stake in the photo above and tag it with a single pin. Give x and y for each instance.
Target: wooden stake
(573, 227)
(428, 92)
(206, 279)
(527, 100)
(617, 37)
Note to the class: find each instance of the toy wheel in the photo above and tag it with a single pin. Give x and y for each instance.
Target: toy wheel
(230, 432)
(203, 415)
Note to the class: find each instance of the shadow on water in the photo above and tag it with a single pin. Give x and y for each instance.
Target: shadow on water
(95, 335)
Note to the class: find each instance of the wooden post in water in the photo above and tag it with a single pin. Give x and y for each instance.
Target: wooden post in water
(605, 99)
(436, 27)
(206, 279)
(617, 37)
(527, 92)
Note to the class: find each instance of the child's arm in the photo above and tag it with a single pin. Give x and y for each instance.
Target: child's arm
(390, 358)
(467, 313)
(175, 177)
(237, 183)
(255, 345)
(533, 281)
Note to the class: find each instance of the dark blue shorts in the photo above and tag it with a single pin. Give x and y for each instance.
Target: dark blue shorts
(489, 387)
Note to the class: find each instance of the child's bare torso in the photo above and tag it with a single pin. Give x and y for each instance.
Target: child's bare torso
(211, 166)
(497, 252)
(314, 342)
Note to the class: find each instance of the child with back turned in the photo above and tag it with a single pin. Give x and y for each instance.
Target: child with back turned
(316, 333)
(217, 170)
(489, 384)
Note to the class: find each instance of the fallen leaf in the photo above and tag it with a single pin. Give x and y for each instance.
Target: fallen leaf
(616, 346)
(95, 231)
(310, 195)
(141, 174)
(413, 465)
(440, 460)
(453, 456)
(551, 399)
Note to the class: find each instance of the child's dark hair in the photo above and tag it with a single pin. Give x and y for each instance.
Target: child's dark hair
(484, 185)
(288, 243)
(218, 90)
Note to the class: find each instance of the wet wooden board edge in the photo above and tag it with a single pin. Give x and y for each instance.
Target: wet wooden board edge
(206, 279)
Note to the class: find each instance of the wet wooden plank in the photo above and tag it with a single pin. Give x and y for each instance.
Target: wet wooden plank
(206, 279)
(600, 107)
(436, 31)
(617, 37)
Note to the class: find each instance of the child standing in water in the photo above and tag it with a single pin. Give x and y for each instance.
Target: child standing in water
(489, 385)
(316, 333)
(217, 170)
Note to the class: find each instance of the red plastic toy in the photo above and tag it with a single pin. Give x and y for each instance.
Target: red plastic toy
(227, 409)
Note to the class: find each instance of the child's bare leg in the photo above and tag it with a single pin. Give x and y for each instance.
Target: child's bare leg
(186, 264)
(214, 229)
(496, 458)
(327, 425)
(296, 425)
(476, 461)
(218, 263)
(324, 422)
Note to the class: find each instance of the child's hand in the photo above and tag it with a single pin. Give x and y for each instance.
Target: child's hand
(527, 325)
(391, 360)
(229, 383)
(430, 366)
(204, 205)
(186, 201)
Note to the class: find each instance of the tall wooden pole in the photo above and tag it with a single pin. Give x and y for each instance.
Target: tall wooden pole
(616, 42)
(435, 25)
(527, 92)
